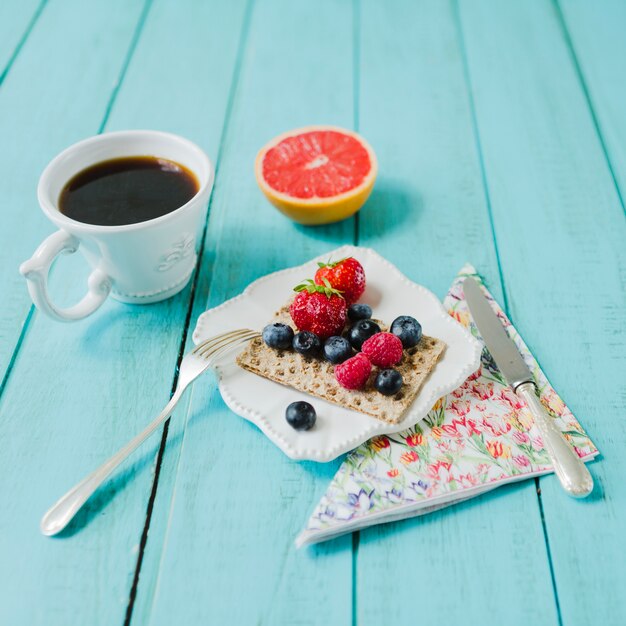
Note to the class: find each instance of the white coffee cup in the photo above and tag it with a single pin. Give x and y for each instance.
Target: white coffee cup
(137, 263)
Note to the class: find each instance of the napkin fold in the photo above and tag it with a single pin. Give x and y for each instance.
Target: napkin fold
(473, 440)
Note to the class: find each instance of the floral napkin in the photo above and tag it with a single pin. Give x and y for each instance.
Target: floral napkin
(475, 439)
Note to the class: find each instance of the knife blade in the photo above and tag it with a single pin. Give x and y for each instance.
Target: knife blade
(569, 468)
(502, 349)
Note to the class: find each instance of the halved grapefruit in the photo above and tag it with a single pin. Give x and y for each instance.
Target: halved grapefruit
(317, 174)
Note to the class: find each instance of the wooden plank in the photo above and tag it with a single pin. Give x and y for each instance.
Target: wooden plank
(559, 223)
(56, 93)
(229, 503)
(79, 391)
(595, 33)
(194, 102)
(35, 111)
(16, 22)
(477, 562)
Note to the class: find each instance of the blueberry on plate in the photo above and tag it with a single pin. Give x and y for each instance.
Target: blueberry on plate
(337, 350)
(307, 343)
(408, 329)
(300, 415)
(388, 382)
(358, 312)
(361, 331)
(278, 336)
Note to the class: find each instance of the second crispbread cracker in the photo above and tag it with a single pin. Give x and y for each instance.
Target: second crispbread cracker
(316, 376)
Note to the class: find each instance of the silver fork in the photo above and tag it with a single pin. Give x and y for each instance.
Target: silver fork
(193, 364)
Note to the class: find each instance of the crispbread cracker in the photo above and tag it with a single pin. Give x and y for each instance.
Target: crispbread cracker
(316, 376)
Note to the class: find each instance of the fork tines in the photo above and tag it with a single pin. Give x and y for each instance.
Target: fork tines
(217, 344)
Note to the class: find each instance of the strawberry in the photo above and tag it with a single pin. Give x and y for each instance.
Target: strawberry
(319, 309)
(346, 276)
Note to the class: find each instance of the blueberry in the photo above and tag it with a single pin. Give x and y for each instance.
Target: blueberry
(361, 331)
(307, 343)
(337, 350)
(358, 312)
(388, 382)
(278, 336)
(300, 415)
(408, 329)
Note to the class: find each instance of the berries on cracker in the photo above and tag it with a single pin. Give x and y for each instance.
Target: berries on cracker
(339, 353)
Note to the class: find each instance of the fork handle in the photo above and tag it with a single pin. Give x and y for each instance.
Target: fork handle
(61, 513)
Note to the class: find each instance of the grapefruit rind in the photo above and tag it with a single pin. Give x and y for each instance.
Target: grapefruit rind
(315, 211)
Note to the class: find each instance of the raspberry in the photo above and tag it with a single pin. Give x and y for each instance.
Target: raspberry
(383, 349)
(353, 373)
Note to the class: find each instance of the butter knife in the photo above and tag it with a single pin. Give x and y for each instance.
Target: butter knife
(570, 470)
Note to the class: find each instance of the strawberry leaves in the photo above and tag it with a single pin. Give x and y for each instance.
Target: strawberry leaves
(330, 263)
(327, 289)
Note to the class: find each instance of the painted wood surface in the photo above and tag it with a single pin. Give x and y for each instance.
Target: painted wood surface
(240, 528)
(501, 141)
(107, 376)
(559, 220)
(430, 215)
(54, 94)
(595, 33)
(16, 23)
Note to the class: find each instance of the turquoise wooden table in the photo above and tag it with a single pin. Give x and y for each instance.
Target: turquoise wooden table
(501, 137)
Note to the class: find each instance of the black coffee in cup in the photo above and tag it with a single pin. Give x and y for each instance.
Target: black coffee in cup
(127, 191)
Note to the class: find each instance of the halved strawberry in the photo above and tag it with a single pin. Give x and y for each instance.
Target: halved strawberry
(319, 309)
(346, 276)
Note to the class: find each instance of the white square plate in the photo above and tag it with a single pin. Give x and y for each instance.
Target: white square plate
(337, 430)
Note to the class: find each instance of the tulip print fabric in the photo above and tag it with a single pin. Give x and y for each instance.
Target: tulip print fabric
(475, 439)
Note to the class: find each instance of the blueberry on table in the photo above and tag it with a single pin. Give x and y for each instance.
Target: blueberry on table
(408, 329)
(307, 343)
(278, 336)
(337, 350)
(358, 312)
(362, 330)
(388, 382)
(300, 415)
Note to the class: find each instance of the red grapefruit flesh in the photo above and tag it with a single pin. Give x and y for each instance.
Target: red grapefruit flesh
(318, 174)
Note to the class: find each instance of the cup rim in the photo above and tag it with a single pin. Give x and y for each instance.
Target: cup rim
(51, 209)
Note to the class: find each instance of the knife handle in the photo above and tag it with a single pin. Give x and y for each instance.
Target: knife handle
(571, 471)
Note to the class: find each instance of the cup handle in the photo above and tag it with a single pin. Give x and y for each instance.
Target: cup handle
(36, 270)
